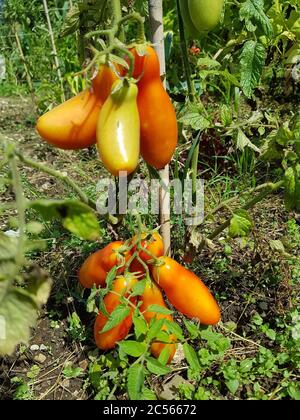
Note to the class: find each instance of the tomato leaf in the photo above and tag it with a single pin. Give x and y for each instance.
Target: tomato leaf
(240, 224)
(18, 311)
(252, 61)
(135, 381)
(252, 12)
(133, 348)
(140, 326)
(138, 288)
(156, 367)
(76, 217)
(159, 309)
(243, 141)
(148, 395)
(174, 329)
(191, 357)
(155, 328)
(192, 328)
(116, 317)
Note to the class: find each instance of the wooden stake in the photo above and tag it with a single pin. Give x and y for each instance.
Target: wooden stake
(54, 50)
(28, 77)
(157, 37)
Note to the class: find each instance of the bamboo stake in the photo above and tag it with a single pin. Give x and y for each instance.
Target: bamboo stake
(28, 76)
(157, 35)
(63, 98)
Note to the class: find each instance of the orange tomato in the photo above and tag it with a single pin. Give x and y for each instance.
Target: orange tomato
(186, 292)
(96, 267)
(153, 296)
(72, 124)
(109, 339)
(154, 245)
(159, 131)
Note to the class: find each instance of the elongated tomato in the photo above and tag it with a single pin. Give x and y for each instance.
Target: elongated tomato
(154, 245)
(96, 267)
(108, 339)
(118, 129)
(153, 296)
(72, 124)
(159, 131)
(186, 292)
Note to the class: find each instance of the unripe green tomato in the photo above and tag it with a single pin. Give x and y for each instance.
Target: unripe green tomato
(189, 27)
(205, 14)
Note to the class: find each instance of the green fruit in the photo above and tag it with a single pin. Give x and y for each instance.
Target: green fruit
(189, 27)
(205, 14)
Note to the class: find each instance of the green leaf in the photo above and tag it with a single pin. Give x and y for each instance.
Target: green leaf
(226, 115)
(138, 288)
(252, 62)
(252, 12)
(135, 381)
(208, 62)
(290, 189)
(72, 22)
(193, 117)
(116, 317)
(156, 367)
(164, 355)
(159, 310)
(192, 328)
(77, 217)
(243, 141)
(191, 357)
(70, 371)
(140, 326)
(240, 224)
(133, 348)
(148, 395)
(232, 385)
(155, 328)
(18, 313)
(174, 328)
(294, 391)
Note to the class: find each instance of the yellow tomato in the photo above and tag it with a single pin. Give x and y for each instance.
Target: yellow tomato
(72, 124)
(118, 129)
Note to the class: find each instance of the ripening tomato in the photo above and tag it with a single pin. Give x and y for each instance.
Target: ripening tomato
(109, 339)
(186, 292)
(118, 129)
(153, 296)
(72, 124)
(205, 14)
(159, 131)
(96, 267)
(154, 245)
(111, 256)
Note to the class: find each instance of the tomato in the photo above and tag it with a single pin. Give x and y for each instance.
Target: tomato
(154, 245)
(109, 339)
(118, 129)
(153, 296)
(190, 29)
(205, 14)
(72, 124)
(96, 267)
(186, 292)
(159, 131)
(110, 256)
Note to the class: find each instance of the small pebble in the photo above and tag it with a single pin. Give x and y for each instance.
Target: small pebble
(41, 358)
(43, 347)
(34, 347)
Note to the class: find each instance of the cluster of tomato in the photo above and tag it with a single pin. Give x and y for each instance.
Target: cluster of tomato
(125, 116)
(142, 257)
